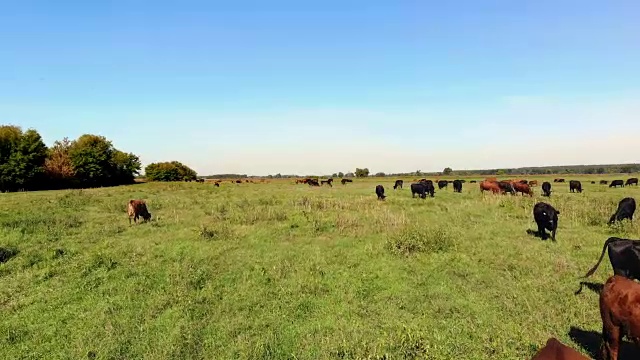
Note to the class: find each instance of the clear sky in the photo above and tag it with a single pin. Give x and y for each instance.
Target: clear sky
(259, 87)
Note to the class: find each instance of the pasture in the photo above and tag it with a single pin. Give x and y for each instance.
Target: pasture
(284, 271)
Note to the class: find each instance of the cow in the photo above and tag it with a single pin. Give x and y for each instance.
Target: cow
(313, 182)
(555, 350)
(603, 182)
(422, 189)
(398, 184)
(238, 181)
(345, 181)
(533, 183)
(425, 181)
(457, 186)
(442, 184)
(616, 183)
(137, 209)
(472, 181)
(624, 255)
(546, 217)
(575, 185)
(632, 181)
(463, 181)
(620, 313)
(490, 186)
(558, 180)
(546, 189)
(507, 187)
(626, 209)
(380, 192)
(522, 188)
(216, 184)
(328, 182)
(593, 182)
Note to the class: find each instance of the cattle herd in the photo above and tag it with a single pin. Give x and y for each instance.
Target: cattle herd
(620, 295)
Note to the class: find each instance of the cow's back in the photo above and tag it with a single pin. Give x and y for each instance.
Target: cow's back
(555, 350)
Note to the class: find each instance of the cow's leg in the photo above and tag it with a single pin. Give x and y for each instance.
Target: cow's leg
(553, 235)
(541, 232)
(610, 342)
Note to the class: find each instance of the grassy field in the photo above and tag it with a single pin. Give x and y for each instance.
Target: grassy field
(284, 271)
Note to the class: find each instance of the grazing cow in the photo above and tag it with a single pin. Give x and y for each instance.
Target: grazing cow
(398, 184)
(558, 180)
(575, 185)
(546, 189)
(593, 182)
(522, 188)
(533, 183)
(616, 183)
(238, 181)
(136, 209)
(345, 181)
(473, 181)
(328, 182)
(380, 192)
(457, 186)
(603, 182)
(420, 189)
(442, 184)
(546, 217)
(620, 313)
(555, 350)
(626, 209)
(490, 186)
(624, 255)
(632, 181)
(507, 187)
(313, 182)
(216, 184)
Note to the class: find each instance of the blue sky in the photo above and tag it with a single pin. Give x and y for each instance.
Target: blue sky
(303, 87)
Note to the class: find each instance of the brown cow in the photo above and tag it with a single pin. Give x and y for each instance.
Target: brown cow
(137, 208)
(490, 186)
(533, 183)
(620, 312)
(555, 350)
(522, 188)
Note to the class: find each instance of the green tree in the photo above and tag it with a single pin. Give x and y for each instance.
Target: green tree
(58, 167)
(362, 172)
(447, 171)
(125, 167)
(340, 174)
(380, 174)
(22, 157)
(91, 157)
(418, 172)
(335, 175)
(169, 171)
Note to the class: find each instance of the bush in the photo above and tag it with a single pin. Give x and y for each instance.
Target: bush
(169, 171)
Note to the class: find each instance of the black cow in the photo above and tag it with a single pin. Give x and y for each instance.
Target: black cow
(422, 189)
(616, 183)
(457, 186)
(328, 182)
(398, 184)
(632, 181)
(425, 181)
(345, 181)
(626, 209)
(507, 187)
(313, 182)
(603, 182)
(216, 184)
(546, 189)
(442, 184)
(546, 217)
(575, 185)
(473, 181)
(463, 181)
(624, 255)
(593, 182)
(380, 192)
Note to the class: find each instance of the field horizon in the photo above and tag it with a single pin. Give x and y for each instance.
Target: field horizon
(276, 270)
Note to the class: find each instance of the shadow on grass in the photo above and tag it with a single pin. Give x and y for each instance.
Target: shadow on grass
(535, 233)
(590, 341)
(595, 287)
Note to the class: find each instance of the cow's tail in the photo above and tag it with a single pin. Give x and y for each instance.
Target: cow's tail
(604, 249)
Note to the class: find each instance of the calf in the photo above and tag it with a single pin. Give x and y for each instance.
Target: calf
(546, 189)
(457, 186)
(398, 184)
(442, 184)
(546, 217)
(575, 185)
(380, 192)
(626, 208)
(620, 313)
(632, 181)
(616, 183)
(522, 188)
(555, 350)
(624, 255)
(136, 209)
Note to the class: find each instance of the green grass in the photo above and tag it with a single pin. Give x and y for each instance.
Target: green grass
(284, 271)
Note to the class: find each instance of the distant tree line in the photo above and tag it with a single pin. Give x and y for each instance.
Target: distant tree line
(26, 163)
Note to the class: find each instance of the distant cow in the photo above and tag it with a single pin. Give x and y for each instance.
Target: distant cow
(593, 182)
(328, 182)
(442, 184)
(616, 183)
(490, 186)
(575, 185)
(626, 209)
(522, 188)
(555, 350)
(507, 187)
(216, 184)
(546, 189)
(603, 182)
(238, 181)
(546, 217)
(137, 209)
(313, 182)
(457, 186)
(473, 181)
(533, 183)
(632, 181)
(398, 184)
(345, 181)
(380, 192)
(558, 180)
(620, 313)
